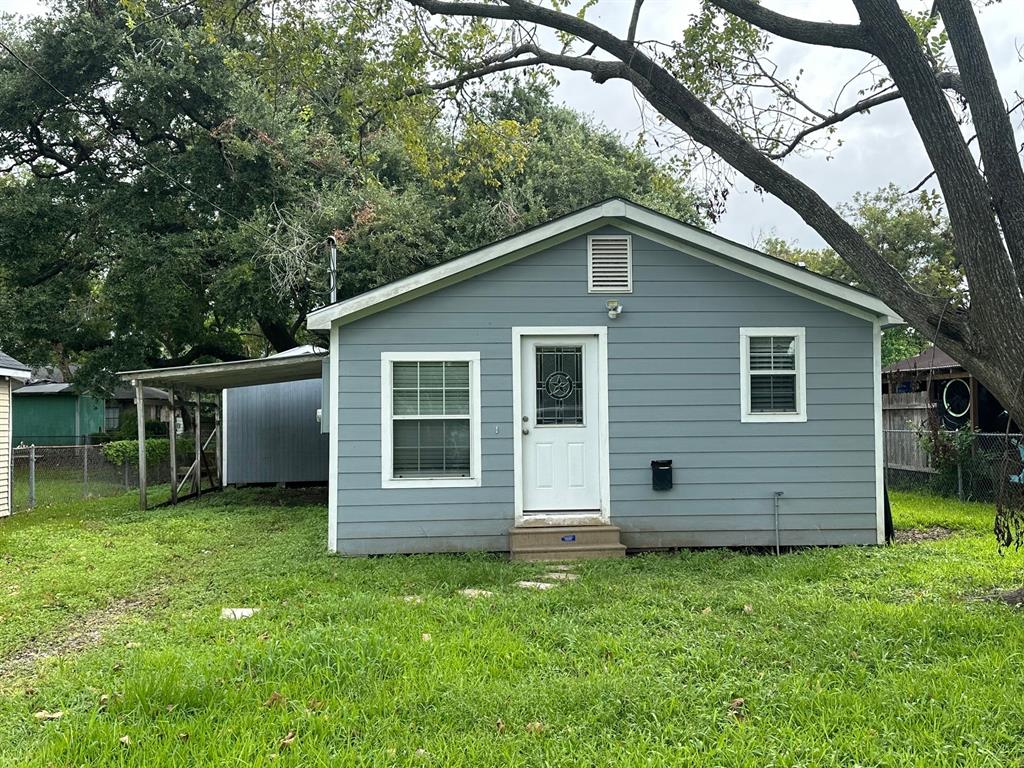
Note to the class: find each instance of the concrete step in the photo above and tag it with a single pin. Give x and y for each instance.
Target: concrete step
(564, 542)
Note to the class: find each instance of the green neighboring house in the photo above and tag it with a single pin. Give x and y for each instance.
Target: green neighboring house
(51, 411)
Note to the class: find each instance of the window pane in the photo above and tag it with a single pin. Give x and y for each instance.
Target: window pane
(772, 353)
(456, 375)
(773, 393)
(456, 402)
(432, 375)
(431, 402)
(559, 385)
(431, 448)
(405, 401)
(405, 375)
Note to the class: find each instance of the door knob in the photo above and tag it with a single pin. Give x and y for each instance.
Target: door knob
(526, 430)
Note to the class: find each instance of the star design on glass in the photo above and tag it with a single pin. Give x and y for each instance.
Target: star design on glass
(559, 385)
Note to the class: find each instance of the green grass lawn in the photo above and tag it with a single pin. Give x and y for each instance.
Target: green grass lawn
(845, 657)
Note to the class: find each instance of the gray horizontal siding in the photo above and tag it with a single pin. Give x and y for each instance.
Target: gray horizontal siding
(273, 435)
(673, 392)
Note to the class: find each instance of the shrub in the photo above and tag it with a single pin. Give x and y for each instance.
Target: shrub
(121, 452)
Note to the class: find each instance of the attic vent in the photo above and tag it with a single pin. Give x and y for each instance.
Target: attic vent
(610, 264)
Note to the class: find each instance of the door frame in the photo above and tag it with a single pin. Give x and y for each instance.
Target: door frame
(604, 474)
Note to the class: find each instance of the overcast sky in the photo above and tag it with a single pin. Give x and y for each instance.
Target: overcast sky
(877, 149)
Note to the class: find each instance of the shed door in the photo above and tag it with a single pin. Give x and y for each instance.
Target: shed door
(560, 428)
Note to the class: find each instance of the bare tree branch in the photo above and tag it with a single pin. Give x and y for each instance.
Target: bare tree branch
(634, 21)
(813, 32)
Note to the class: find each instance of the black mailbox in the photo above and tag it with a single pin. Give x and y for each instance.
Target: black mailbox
(661, 474)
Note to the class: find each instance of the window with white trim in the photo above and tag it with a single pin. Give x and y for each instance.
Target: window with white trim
(430, 419)
(773, 376)
(610, 264)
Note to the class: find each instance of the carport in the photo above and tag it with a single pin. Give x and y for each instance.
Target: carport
(190, 387)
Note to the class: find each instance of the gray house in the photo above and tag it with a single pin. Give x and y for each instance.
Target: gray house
(611, 379)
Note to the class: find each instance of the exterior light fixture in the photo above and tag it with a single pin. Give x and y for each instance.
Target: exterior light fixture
(614, 308)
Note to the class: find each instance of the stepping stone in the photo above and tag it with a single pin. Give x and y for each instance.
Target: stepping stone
(414, 599)
(535, 585)
(561, 576)
(561, 567)
(471, 592)
(237, 613)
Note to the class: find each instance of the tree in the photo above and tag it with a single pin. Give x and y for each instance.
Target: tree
(913, 233)
(171, 174)
(710, 84)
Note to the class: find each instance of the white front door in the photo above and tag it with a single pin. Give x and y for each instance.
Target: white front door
(560, 425)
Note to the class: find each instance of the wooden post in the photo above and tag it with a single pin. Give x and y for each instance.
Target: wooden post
(199, 450)
(218, 422)
(140, 415)
(172, 428)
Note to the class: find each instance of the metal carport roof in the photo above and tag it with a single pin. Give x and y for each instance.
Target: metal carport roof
(294, 365)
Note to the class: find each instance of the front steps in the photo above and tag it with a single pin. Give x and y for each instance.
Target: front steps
(564, 542)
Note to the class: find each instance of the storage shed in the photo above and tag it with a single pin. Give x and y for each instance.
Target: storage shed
(612, 379)
(10, 371)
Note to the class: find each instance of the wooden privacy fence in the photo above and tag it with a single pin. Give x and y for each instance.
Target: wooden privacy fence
(903, 415)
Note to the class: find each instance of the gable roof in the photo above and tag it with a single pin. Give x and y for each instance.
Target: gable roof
(632, 218)
(12, 369)
(932, 359)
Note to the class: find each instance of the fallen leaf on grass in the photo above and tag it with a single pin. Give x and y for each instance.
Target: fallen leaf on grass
(536, 727)
(132, 644)
(425, 637)
(104, 700)
(738, 708)
(126, 740)
(274, 700)
(422, 753)
(44, 715)
(288, 740)
(314, 705)
(183, 736)
(707, 610)
(171, 707)
(748, 608)
(500, 725)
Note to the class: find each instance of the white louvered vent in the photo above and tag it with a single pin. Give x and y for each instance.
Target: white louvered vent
(610, 264)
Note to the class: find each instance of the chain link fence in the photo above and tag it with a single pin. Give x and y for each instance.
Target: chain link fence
(975, 468)
(50, 474)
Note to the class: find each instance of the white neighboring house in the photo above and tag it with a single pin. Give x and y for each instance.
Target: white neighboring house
(10, 369)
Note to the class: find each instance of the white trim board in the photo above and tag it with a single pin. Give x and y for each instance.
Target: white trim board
(333, 436)
(632, 218)
(601, 332)
(15, 373)
(876, 377)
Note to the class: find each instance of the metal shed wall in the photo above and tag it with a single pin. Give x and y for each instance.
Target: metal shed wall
(272, 434)
(674, 393)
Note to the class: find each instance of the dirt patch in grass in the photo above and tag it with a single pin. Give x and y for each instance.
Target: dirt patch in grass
(82, 632)
(915, 535)
(1012, 597)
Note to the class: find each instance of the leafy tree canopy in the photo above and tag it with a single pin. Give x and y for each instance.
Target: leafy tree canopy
(170, 174)
(914, 235)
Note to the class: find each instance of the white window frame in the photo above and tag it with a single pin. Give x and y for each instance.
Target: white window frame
(590, 264)
(800, 414)
(387, 474)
